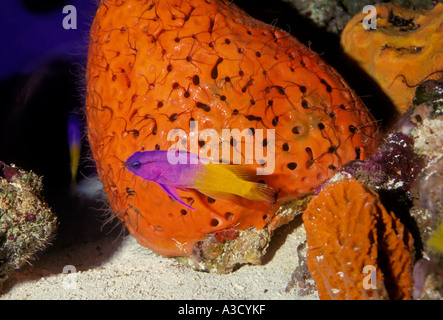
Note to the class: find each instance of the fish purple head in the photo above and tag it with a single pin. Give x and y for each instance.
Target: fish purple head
(169, 169)
(163, 166)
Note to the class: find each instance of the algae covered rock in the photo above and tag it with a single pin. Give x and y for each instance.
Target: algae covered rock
(427, 115)
(26, 222)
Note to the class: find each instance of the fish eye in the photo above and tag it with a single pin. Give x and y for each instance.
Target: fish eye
(136, 164)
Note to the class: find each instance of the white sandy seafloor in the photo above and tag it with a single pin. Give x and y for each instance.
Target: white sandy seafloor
(109, 266)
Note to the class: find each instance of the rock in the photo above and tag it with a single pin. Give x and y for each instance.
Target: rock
(27, 224)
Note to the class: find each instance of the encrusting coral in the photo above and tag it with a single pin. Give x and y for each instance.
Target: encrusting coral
(405, 49)
(395, 164)
(356, 248)
(155, 66)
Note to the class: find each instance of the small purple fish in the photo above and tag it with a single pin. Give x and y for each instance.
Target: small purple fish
(74, 141)
(176, 169)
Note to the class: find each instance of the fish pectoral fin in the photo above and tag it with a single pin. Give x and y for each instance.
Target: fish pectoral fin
(172, 192)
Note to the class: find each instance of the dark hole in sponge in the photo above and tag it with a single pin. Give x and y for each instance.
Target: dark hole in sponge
(214, 222)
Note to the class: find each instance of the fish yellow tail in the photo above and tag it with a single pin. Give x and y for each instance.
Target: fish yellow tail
(260, 192)
(75, 159)
(224, 181)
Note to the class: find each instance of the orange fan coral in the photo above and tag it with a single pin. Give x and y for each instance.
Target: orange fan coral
(350, 233)
(155, 66)
(406, 48)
